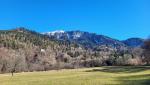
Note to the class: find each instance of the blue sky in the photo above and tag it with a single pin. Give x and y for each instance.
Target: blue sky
(119, 19)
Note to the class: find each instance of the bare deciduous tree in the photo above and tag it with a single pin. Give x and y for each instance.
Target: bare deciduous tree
(147, 51)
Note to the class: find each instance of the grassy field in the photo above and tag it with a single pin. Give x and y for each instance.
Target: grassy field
(86, 76)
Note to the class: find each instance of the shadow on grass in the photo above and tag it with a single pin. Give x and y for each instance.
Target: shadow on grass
(134, 80)
(140, 79)
(120, 69)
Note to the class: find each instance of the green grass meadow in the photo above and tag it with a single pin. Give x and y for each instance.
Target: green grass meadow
(127, 75)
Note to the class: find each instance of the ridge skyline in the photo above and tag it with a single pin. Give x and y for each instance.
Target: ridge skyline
(51, 30)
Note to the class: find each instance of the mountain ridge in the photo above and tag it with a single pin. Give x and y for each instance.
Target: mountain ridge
(81, 37)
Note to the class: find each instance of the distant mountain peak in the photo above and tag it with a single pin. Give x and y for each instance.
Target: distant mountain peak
(54, 32)
(57, 31)
(20, 29)
(91, 39)
(134, 42)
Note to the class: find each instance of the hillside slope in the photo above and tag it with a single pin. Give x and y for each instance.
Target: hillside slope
(25, 50)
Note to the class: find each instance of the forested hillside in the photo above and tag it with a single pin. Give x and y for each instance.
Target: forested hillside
(25, 50)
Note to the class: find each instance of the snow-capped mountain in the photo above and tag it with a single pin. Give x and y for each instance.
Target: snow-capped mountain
(60, 34)
(85, 38)
(55, 32)
(91, 40)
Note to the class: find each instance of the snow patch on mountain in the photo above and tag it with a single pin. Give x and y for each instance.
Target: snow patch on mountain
(54, 32)
(77, 35)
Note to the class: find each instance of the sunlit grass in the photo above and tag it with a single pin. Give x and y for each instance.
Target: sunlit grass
(85, 76)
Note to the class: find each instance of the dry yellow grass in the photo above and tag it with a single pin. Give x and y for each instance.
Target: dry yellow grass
(86, 76)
